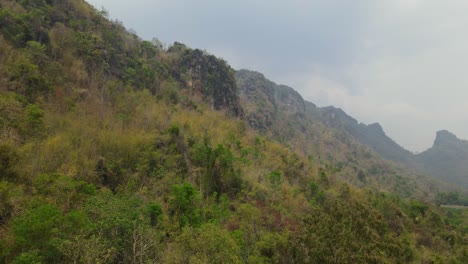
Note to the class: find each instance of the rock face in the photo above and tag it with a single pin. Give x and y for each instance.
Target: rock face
(210, 76)
(446, 139)
(289, 99)
(265, 102)
(257, 97)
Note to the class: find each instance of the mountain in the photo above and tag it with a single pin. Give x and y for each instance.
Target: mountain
(447, 159)
(329, 136)
(281, 110)
(370, 135)
(114, 149)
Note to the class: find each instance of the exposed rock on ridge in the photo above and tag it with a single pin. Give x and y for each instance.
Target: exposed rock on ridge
(210, 76)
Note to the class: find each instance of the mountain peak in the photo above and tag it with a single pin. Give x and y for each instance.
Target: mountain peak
(376, 127)
(443, 137)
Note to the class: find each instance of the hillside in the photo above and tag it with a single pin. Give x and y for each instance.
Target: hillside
(116, 150)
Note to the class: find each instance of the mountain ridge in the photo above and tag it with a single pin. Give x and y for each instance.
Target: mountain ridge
(327, 133)
(372, 135)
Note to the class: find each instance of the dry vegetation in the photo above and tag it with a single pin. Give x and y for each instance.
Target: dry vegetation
(107, 157)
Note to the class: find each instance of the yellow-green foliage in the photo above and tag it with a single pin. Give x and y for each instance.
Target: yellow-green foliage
(106, 157)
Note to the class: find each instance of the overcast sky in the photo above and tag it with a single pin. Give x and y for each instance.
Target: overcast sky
(402, 63)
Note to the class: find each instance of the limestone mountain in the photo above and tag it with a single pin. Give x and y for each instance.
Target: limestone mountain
(447, 159)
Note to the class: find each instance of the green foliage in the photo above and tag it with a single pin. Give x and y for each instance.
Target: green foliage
(37, 226)
(220, 173)
(15, 27)
(155, 213)
(36, 52)
(30, 257)
(26, 77)
(452, 198)
(10, 197)
(274, 178)
(347, 232)
(418, 209)
(183, 205)
(34, 115)
(206, 244)
(216, 209)
(64, 190)
(8, 159)
(314, 194)
(174, 130)
(40, 231)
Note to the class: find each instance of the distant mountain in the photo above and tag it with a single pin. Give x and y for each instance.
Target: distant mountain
(447, 159)
(281, 111)
(330, 136)
(370, 135)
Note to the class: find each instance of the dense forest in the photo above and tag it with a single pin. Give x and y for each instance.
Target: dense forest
(118, 150)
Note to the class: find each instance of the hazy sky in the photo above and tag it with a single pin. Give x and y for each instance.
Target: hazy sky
(402, 63)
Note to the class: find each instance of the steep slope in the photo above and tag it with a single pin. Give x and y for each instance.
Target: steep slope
(447, 159)
(112, 151)
(209, 76)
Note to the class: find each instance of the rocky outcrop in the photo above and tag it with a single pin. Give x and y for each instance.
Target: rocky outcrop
(446, 139)
(210, 76)
(289, 99)
(265, 102)
(257, 98)
(447, 159)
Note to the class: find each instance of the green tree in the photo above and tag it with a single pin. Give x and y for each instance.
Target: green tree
(155, 213)
(34, 116)
(36, 229)
(220, 174)
(183, 205)
(37, 52)
(8, 159)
